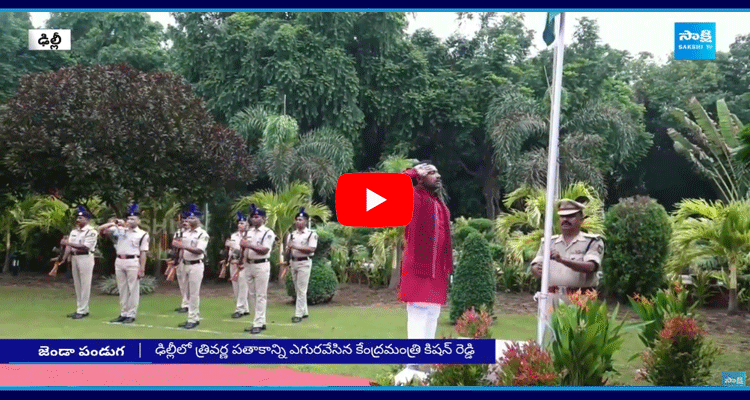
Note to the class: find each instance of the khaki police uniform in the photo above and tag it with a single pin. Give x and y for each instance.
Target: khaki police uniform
(82, 265)
(258, 270)
(240, 287)
(583, 248)
(179, 270)
(301, 265)
(192, 270)
(128, 245)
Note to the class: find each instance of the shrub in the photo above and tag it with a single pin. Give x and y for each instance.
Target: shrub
(655, 310)
(322, 286)
(325, 241)
(525, 365)
(474, 278)
(496, 252)
(108, 285)
(461, 233)
(638, 231)
(474, 325)
(585, 338)
(681, 357)
(459, 375)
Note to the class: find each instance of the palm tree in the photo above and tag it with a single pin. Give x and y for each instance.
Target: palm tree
(594, 141)
(521, 231)
(714, 150)
(703, 230)
(281, 208)
(318, 157)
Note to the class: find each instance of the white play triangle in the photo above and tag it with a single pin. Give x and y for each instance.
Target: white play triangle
(373, 200)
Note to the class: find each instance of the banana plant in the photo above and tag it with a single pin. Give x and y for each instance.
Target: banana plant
(713, 148)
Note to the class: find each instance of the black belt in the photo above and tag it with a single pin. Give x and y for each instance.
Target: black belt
(262, 260)
(126, 257)
(80, 253)
(300, 258)
(191, 262)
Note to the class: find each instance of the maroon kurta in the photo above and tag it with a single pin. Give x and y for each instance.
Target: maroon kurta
(428, 255)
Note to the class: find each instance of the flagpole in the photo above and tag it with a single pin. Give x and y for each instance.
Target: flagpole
(554, 133)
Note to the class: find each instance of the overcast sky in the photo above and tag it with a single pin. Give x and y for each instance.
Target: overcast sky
(631, 31)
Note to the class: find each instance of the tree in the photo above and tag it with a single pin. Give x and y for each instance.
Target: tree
(521, 231)
(17, 60)
(709, 148)
(318, 157)
(113, 132)
(282, 207)
(113, 38)
(474, 279)
(704, 229)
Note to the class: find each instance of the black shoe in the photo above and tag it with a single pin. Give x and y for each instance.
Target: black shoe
(191, 325)
(119, 319)
(128, 320)
(238, 315)
(296, 319)
(250, 328)
(79, 316)
(305, 316)
(71, 315)
(181, 309)
(255, 330)
(182, 325)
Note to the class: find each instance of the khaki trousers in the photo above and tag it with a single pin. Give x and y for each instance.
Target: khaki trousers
(241, 289)
(257, 280)
(301, 278)
(128, 284)
(182, 283)
(194, 276)
(82, 268)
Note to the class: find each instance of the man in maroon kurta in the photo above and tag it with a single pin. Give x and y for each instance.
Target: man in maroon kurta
(428, 255)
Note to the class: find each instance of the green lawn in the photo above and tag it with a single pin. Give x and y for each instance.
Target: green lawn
(40, 313)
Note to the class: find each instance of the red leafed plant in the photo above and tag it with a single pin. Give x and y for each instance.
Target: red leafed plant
(525, 365)
(475, 325)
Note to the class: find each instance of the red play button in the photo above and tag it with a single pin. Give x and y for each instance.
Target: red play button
(374, 199)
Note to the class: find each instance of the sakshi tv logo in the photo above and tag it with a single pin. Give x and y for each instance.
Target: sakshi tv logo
(695, 41)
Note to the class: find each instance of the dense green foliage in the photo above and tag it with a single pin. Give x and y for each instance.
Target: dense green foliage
(638, 230)
(321, 287)
(474, 278)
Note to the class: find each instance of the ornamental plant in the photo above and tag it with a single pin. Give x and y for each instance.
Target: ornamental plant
(655, 310)
(585, 339)
(474, 324)
(682, 356)
(525, 364)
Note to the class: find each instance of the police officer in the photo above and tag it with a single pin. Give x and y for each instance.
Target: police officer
(240, 285)
(80, 246)
(257, 248)
(575, 256)
(131, 246)
(193, 245)
(301, 243)
(180, 267)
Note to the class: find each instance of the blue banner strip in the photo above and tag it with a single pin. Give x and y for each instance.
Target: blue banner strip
(247, 351)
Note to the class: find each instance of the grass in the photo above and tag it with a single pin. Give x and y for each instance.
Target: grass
(34, 313)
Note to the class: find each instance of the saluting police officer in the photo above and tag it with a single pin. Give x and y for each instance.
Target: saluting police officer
(193, 245)
(80, 245)
(131, 246)
(257, 248)
(240, 285)
(575, 256)
(301, 242)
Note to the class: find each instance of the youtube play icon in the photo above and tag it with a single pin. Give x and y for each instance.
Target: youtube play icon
(374, 199)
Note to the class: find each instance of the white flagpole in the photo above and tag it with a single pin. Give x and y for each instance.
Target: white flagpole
(554, 133)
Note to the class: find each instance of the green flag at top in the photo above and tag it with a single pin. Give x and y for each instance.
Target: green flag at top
(549, 28)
